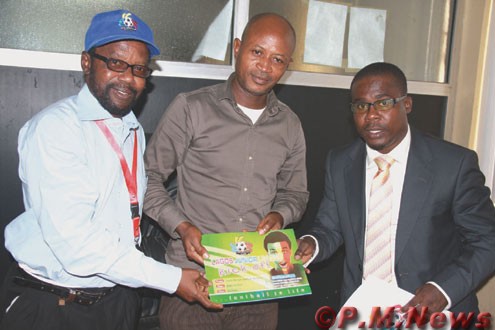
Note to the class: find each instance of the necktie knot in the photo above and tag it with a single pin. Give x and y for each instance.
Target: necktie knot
(384, 162)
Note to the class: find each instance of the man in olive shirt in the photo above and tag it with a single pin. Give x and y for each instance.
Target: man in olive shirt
(240, 158)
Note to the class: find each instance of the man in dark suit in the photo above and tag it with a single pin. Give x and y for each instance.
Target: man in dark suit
(441, 227)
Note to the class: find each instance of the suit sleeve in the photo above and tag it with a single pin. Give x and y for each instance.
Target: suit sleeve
(474, 216)
(327, 228)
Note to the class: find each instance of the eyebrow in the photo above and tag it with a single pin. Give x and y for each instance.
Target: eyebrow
(377, 97)
(276, 54)
(117, 54)
(383, 96)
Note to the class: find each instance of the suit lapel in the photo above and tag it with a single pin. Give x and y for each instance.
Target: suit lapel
(417, 184)
(355, 180)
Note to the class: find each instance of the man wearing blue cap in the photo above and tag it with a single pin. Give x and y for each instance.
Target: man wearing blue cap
(83, 182)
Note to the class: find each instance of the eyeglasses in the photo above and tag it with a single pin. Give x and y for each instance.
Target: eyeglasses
(380, 105)
(113, 64)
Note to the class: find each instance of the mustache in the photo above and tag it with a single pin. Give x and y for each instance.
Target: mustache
(262, 75)
(370, 127)
(122, 87)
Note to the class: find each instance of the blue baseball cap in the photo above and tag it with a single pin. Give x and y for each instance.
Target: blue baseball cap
(118, 25)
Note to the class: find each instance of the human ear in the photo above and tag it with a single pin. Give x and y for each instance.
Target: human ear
(237, 45)
(408, 104)
(85, 62)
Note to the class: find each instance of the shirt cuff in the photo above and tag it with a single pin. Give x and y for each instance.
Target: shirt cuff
(449, 302)
(166, 278)
(317, 250)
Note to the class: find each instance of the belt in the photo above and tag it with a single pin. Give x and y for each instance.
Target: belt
(88, 297)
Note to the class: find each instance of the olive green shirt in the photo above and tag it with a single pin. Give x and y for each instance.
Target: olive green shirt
(230, 172)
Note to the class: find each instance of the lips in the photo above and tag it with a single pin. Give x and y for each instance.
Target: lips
(374, 130)
(259, 79)
(124, 93)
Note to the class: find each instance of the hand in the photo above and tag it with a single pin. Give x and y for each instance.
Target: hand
(193, 286)
(305, 249)
(191, 239)
(272, 221)
(427, 296)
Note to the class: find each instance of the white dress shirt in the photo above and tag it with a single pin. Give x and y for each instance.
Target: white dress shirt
(397, 174)
(77, 229)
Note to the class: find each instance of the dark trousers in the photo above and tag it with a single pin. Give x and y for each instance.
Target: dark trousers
(177, 314)
(40, 310)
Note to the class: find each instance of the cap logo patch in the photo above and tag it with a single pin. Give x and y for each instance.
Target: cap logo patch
(127, 23)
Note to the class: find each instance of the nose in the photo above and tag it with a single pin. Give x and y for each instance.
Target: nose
(126, 75)
(264, 64)
(372, 113)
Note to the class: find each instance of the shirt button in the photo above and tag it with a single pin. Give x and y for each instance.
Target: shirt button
(250, 158)
(245, 189)
(240, 219)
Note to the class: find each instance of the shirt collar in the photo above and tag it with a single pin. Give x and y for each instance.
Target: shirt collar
(399, 153)
(88, 108)
(272, 103)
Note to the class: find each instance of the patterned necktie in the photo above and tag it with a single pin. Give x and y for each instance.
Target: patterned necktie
(378, 249)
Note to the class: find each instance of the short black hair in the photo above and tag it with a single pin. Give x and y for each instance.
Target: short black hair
(381, 69)
(274, 237)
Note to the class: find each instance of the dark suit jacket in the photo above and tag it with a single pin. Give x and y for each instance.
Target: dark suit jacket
(446, 225)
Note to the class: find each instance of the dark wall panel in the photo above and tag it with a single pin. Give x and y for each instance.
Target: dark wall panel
(326, 121)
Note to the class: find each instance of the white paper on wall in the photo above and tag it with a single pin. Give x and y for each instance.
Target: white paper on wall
(366, 36)
(215, 41)
(325, 30)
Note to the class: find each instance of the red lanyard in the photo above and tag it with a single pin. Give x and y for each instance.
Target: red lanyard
(130, 179)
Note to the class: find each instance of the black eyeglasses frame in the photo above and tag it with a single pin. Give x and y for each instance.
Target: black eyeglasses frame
(134, 68)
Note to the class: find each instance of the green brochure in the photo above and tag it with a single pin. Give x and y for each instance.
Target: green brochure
(246, 266)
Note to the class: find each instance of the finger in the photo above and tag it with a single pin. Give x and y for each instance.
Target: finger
(262, 227)
(300, 252)
(197, 252)
(413, 303)
(304, 252)
(200, 250)
(202, 289)
(202, 281)
(298, 255)
(305, 260)
(272, 225)
(269, 224)
(207, 303)
(194, 256)
(264, 230)
(199, 259)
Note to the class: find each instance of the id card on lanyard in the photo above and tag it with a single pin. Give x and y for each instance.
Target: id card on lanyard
(130, 177)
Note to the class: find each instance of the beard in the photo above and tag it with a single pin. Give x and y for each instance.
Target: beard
(103, 97)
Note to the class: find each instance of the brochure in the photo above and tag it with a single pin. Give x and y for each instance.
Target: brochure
(247, 266)
(376, 301)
